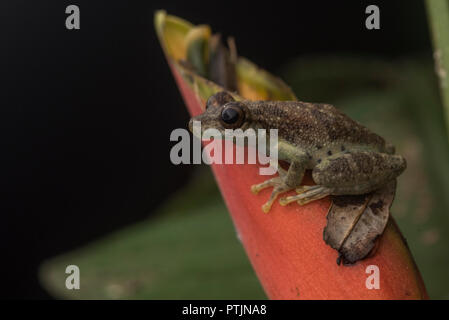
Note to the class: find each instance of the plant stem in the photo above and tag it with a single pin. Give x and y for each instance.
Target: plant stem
(438, 15)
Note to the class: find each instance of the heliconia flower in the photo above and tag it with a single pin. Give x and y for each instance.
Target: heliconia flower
(286, 246)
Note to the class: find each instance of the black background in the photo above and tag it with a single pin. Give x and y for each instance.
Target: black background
(86, 114)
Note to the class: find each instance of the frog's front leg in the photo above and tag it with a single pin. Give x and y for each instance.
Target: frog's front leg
(286, 181)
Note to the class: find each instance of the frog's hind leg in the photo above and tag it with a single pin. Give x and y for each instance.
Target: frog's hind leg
(358, 172)
(306, 194)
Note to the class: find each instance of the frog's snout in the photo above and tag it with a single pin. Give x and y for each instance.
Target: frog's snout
(194, 119)
(191, 129)
(191, 125)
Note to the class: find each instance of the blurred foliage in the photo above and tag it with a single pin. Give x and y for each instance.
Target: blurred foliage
(190, 250)
(438, 17)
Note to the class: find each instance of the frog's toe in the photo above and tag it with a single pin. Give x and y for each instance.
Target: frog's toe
(276, 191)
(302, 189)
(311, 198)
(309, 194)
(266, 207)
(266, 184)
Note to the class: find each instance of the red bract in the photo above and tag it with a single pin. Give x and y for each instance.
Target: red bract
(286, 246)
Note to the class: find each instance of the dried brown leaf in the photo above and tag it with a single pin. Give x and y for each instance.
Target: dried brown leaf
(355, 222)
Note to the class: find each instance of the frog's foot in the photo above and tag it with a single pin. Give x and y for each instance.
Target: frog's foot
(306, 194)
(278, 187)
(276, 181)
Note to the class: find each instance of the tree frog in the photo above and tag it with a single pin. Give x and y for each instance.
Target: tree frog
(345, 157)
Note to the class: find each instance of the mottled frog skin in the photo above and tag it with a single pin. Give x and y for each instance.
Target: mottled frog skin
(345, 157)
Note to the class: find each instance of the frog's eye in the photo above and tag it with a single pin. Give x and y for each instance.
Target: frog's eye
(232, 116)
(219, 99)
